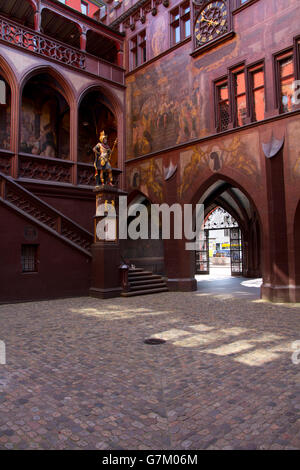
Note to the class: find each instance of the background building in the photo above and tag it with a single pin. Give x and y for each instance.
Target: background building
(206, 109)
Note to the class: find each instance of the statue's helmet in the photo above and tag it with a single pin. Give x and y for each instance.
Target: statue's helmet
(102, 136)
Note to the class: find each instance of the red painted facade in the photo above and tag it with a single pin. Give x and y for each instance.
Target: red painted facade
(176, 102)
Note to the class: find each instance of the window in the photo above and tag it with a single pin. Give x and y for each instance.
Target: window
(180, 23)
(257, 93)
(240, 99)
(223, 113)
(138, 50)
(29, 258)
(84, 8)
(285, 80)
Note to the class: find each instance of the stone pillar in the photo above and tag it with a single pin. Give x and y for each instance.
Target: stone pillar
(106, 260)
(15, 130)
(275, 244)
(74, 139)
(120, 55)
(180, 266)
(83, 32)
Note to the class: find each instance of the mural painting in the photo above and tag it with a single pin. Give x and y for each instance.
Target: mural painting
(147, 178)
(240, 153)
(161, 115)
(293, 131)
(5, 114)
(45, 121)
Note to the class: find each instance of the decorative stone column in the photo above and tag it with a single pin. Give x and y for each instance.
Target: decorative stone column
(106, 259)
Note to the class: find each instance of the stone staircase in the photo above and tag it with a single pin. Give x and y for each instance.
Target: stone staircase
(144, 282)
(37, 211)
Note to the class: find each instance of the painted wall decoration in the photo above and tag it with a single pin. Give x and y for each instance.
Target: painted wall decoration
(238, 153)
(5, 114)
(148, 178)
(161, 113)
(293, 131)
(45, 120)
(159, 41)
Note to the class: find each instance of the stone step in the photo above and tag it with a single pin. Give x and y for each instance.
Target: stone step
(139, 273)
(147, 286)
(144, 292)
(149, 277)
(146, 282)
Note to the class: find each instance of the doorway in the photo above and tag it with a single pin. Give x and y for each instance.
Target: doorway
(221, 246)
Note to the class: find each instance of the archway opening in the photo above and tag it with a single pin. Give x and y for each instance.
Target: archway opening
(45, 118)
(221, 249)
(230, 245)
(296, 250)
(94, 117)
(5, 113)
(146, 253)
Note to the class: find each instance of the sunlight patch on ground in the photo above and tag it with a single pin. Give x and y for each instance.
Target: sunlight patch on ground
(232, 348)
(190, 338)
(252, 283)
(170, 334)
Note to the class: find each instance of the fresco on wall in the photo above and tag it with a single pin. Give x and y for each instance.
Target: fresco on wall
(5, 114)
(293, 131)
(45, 121)
(163, 115)
(147, 178)
(240, 153)
(159, 41)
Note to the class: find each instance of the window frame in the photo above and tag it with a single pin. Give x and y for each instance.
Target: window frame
(278, 58)
(82, 2)
(217, 85)
(36, 247)
(137, 49)
(230, 78)
(251, 70)
(183, 18)
(233, 73)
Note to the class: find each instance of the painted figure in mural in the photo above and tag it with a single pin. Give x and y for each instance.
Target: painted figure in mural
(102, 160)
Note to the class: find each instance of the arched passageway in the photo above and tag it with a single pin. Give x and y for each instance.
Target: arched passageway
(239, 216)
(45, 118)
(147, 253)
(221, 245)
(296, 254)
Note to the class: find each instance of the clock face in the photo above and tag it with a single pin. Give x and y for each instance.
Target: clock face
(211, 22)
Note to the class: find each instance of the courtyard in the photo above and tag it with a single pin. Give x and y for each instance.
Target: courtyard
(78, 374)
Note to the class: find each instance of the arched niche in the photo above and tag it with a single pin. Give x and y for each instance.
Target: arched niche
(5, 113)
(45, 118)
(94, 116)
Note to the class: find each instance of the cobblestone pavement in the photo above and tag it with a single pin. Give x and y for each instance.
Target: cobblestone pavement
(79, 376)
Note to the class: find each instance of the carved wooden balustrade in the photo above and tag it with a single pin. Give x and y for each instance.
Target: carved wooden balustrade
(6, 161)
(86, 174)
(28, 39)
(25, 202)
(37, 43)
(45, 168)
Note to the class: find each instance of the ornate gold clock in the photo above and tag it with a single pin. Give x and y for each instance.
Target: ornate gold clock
(211, 22)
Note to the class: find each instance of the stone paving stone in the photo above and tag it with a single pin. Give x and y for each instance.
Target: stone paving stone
(79, 376)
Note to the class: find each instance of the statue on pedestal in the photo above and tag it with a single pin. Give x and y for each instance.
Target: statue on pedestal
(102, 160)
